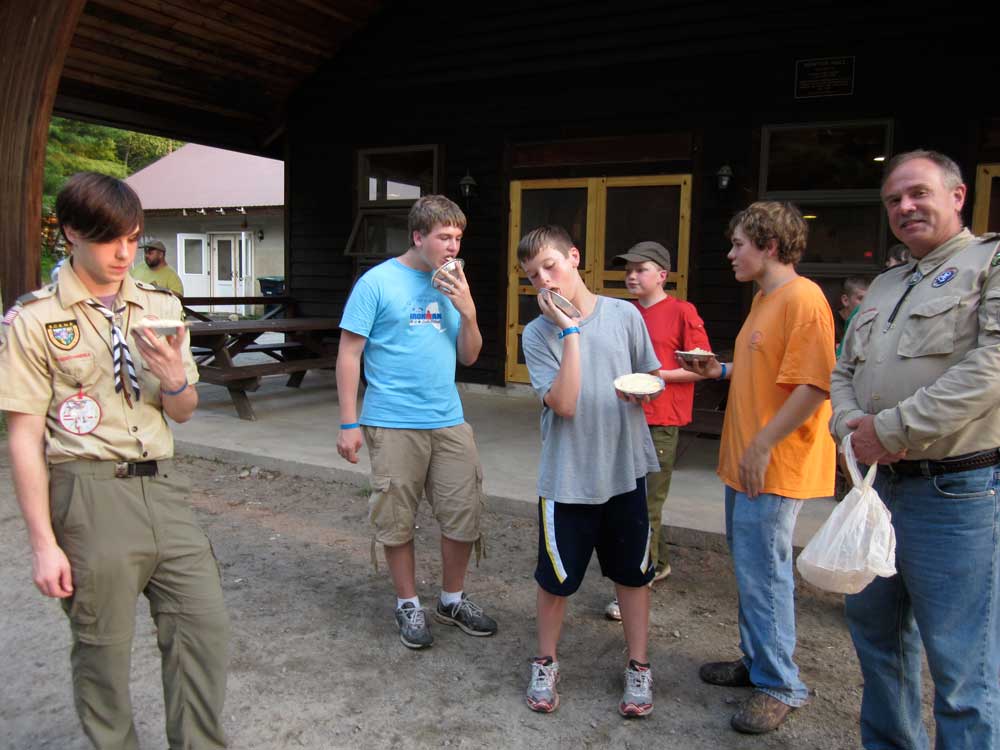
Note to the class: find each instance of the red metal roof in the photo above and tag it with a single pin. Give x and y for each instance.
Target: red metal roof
(196, 176)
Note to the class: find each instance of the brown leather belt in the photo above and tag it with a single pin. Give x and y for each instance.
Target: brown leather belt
(928, 468)
(126, 469)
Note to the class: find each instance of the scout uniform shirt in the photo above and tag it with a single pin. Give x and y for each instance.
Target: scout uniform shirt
(927, 364)
(56, 360)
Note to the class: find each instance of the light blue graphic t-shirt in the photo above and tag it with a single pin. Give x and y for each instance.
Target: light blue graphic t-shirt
(412, 330)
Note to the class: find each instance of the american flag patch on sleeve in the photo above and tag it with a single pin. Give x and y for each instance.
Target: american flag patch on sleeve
(11, 314)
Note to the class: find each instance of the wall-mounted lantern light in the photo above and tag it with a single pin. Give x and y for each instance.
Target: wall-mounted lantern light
(724, 176)
(467, 187)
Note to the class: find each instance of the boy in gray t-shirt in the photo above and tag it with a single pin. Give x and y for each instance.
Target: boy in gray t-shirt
(596, 452)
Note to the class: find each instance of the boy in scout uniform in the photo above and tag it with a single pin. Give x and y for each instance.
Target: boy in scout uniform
(86, 393)
(917, 387)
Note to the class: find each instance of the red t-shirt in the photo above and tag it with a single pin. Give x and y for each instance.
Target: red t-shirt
(674, 325)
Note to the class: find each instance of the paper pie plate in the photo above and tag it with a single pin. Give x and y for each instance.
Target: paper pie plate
(696, 354)
(448, 267)
(562, 303)
(639, 384)
(160, 327)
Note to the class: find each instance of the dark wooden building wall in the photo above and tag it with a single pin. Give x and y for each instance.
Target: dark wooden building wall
(477, 78)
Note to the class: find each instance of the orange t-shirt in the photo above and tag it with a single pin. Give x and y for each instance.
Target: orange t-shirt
(786, 340)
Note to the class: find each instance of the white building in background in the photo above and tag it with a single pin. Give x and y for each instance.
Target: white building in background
(220, 214)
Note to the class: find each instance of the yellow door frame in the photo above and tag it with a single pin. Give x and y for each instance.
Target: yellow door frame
(593, 272)
(984, 186)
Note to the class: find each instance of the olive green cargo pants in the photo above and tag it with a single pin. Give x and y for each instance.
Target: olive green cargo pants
(123, 537)
(657, 487)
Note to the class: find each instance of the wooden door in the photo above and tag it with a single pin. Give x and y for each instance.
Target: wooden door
(605, 216)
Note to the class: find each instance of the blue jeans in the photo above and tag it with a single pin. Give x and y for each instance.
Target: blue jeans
(759, 534)
(945, 594)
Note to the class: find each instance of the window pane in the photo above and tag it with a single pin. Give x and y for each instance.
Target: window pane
(636, 214)
(399, 175)
(843, 234)
(838, 157)
(566, 207)
(401, 191)
(385, 234)
(225, 261)
(527, 308)
(193, 255)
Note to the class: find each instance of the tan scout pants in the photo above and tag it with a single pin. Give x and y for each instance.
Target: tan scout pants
(657, 487)
(123, 537)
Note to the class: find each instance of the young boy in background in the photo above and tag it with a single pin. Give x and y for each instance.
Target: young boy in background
(596, 452)
(673, 325)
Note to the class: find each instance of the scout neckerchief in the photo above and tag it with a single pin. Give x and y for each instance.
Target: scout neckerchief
(119, 349)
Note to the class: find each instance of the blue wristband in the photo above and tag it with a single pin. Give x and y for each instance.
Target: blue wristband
(723, 375)
(350, 426)
(568, 331)
(178, 392)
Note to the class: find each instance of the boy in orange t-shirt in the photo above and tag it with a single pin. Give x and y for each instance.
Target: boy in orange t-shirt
(776, 452)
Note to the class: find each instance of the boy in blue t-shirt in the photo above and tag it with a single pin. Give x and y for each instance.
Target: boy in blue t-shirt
(410, 326)
(596, 452)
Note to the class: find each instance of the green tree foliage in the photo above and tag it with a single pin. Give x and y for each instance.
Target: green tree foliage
(76, 146)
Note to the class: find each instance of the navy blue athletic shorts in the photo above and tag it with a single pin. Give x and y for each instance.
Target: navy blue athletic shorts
(568, 533)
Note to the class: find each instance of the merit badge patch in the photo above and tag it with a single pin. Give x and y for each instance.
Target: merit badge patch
(80, 414)
(944, 277)
(63, 335)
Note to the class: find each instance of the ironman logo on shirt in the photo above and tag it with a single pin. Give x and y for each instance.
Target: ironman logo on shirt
(429, 315)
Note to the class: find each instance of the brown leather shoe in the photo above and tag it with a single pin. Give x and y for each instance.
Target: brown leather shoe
(726, 673)
(760, 713)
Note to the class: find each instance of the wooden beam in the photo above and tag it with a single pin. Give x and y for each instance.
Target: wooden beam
(34, 39)
(197, 27)
(134, 41)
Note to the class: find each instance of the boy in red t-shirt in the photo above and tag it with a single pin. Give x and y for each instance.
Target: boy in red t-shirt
(674, 325)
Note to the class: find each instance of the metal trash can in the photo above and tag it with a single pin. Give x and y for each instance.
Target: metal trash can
(271, 286)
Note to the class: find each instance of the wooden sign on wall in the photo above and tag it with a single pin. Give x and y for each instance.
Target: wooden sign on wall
(824, 76)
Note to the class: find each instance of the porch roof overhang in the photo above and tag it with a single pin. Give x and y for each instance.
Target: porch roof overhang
(215, 72)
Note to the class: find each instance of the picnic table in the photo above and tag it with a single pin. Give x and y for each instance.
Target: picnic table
(310, 343)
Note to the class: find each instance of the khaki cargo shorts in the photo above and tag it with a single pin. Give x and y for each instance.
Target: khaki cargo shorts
(406, 464)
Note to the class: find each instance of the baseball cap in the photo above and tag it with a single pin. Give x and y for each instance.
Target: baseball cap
(643, 251)
(154, 245)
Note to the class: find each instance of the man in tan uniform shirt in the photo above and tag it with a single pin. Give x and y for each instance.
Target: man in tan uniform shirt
(918, 387)
(86, 394)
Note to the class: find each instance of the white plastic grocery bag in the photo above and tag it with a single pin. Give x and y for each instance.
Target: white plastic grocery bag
(857, 542)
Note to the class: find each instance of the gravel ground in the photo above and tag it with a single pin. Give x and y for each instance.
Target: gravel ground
(316, 662)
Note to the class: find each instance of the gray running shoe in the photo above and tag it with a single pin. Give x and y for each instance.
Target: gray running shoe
(414, 631)
(542, 695)
(637, 700)
(466, 615)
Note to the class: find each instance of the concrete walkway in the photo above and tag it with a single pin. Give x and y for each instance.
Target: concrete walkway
(296, 432)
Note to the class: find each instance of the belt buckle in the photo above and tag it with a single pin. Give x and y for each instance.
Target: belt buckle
(122, 470)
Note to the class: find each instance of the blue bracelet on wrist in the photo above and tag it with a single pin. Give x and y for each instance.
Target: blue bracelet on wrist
(178, 392)
(350, 426)
(722, 376)
(568, 331)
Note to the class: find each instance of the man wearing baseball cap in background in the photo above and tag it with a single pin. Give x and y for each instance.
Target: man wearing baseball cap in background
(156, 270)
(673, 325)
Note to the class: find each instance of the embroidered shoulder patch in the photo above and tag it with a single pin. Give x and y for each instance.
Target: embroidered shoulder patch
(63, 335)
(996, 260)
